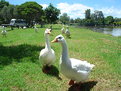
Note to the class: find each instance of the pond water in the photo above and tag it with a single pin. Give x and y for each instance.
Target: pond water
(111, 31)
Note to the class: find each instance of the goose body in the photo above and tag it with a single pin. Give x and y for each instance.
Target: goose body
(35, 28)
(67, 32)
(4, 32)
(63, 30)
(47, 55)
(24, 27)
(74, 69)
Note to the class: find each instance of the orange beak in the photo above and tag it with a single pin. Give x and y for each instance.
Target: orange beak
(48, 32)
(55, 40)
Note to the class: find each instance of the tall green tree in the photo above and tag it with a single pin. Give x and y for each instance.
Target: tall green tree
(109, 20)
(4, 13)
(77, 20)
(3, 3)
(117, 21)
(52, 14)
(72, 20)
(98, 17)
(10, 11)
(64, 18)
(30, 11)
(15, 12)
(87, 14)
(7, 13)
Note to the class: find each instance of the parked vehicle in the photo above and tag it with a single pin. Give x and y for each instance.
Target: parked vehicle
(18, 23)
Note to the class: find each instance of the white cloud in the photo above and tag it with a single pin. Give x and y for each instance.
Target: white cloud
(78, 10)
(44, 5)
(111, 11)
(73, 10)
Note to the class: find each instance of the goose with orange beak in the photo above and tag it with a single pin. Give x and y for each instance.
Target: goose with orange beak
(63, 30)
(47, 55)
(74, 69)
(67, 32)
(35, 28)
(4, 32)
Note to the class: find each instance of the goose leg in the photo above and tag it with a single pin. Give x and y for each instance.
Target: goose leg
(71, 82)
(46, 68)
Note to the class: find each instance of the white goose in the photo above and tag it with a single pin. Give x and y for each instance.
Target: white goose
(63, 30)
(74, 69)
(35, 28)
(47, 55)
(4, 32)
(67, 32)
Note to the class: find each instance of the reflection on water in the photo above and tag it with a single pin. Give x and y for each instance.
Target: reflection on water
(111, 31)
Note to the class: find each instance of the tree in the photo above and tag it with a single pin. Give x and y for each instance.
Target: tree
(3, 3)
(98, 17)
(51, 14)
(43, 20)
(64, 18)
(15, 12)
(7, 13)
(10, 10)
(87, 14)
(72, 20)
(88, 22)
(109, 20)
(117, 21)
(77, 20)
(30, 11)
(4, 13)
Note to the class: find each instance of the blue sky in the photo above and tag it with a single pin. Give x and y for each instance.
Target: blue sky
(76, 8)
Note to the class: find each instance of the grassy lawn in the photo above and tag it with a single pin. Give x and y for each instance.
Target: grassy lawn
(20, 69)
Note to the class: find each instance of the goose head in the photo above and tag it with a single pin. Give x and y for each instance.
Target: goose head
(47, 31)
(67, 27)
(3, 28)
(59, 39)
(63, 25)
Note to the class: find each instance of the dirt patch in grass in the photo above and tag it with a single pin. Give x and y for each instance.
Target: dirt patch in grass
(106, 40)
(14, 88)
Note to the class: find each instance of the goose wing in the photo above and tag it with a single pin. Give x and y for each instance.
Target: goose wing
(79, 65)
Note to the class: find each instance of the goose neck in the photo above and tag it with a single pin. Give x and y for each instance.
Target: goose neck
(64, 51)
(47, 42)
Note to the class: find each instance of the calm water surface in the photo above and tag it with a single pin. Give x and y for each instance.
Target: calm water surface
(111, 31)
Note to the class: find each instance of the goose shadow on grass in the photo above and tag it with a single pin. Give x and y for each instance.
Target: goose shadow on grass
(15, 53)
(53, 71)
(86, 86)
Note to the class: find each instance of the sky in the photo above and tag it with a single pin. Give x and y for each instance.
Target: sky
(76, 8)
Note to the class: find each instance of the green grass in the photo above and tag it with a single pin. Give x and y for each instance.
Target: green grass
(20, 69)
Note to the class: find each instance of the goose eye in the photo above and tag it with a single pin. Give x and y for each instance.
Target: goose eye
(59, 37)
